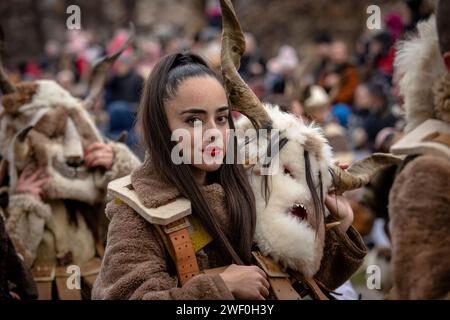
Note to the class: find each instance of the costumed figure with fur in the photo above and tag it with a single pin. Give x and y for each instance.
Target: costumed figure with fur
(419, 201)
(58, 166)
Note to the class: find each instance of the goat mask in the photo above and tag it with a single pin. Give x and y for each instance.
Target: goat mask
(290, 210)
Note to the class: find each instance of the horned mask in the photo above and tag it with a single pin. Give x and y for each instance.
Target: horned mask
(290, 199)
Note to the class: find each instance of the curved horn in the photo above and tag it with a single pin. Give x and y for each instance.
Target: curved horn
(361, 172)
(241, 97)
(6, 86)
(100, 70)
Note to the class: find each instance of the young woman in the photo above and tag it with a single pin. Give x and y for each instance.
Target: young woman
(182, 92)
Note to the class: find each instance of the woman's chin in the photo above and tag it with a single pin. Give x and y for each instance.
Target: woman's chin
(207, 167)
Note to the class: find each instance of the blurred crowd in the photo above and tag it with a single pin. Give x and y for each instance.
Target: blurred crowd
(350, 89)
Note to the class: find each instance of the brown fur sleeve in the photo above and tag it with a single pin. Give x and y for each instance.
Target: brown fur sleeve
(135, 265)
(419, 211)
(343, 255)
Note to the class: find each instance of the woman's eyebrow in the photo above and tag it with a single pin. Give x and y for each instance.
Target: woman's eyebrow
(221, 109)
(193, 110)
(202, 111)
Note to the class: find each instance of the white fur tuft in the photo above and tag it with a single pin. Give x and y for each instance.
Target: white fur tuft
(292, 242)
(419, 64)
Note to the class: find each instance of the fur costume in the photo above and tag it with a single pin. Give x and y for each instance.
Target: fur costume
(43, 125)
(419, 201)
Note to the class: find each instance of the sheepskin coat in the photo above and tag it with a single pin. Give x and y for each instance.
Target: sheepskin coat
(420, 229)
(419, 201)
(136, 264)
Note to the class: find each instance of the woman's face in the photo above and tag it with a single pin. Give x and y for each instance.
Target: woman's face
(198, 118)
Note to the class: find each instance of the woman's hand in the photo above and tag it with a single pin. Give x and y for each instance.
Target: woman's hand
(31, 182)
(246, 282)
(99, 155)
(340, 207)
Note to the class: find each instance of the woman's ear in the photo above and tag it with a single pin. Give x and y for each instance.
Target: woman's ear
(446, 57)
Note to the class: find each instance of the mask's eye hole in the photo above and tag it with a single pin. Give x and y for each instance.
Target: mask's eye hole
(287, 171)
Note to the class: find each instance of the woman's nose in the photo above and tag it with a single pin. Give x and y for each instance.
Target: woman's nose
(212, 134)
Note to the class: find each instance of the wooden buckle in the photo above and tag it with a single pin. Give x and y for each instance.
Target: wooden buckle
(182, 223)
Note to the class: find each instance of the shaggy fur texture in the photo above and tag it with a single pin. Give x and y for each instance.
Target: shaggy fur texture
(85, 126)
(66, 237)
(137, 266)
(302, 250)
(343, 255)
(145, 179)
(442, 98)
(46, 232)
(53, 123)
(420, 229)
(50, 94)
(420, 65)
(124, 163)
(25, 224)
(419, 201)
(24, 95)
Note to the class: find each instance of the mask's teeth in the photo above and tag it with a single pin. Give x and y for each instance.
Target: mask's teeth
(298, 205)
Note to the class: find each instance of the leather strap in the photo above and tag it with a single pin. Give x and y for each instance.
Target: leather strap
(317, 292)
(283, 290)
(277, 277)
(312, 285)
(183, 250)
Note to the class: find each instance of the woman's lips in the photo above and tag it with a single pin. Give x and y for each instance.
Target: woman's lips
(212, 150)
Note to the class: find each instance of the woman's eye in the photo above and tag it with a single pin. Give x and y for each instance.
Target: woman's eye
(192, 121)
(222, 119)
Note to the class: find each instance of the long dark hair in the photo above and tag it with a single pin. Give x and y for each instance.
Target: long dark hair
(161, 86)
